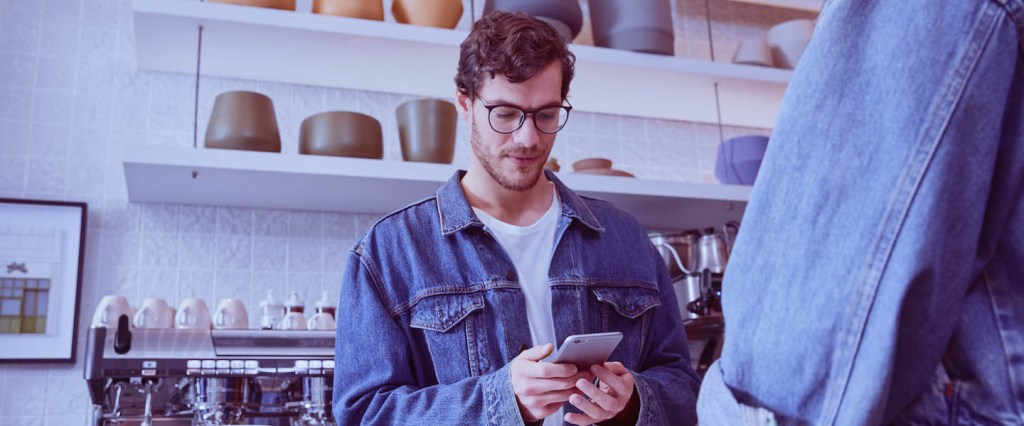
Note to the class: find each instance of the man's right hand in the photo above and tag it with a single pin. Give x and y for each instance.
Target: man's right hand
(542, 387)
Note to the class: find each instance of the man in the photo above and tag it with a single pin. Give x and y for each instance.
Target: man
(879, 277)
(454, 301)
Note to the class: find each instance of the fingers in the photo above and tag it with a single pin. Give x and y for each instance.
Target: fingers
(598, 398)
(537, 353)
(620, 384)
(592, 413)
(579, 419)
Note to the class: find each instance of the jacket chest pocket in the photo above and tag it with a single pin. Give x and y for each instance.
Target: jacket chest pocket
(452, 328)
(627, 309)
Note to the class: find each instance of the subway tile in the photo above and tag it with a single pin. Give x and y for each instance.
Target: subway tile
(158, 251)
(304, 255)
(85, 179)
(304, 225)
(338, 225)
(90, 144)
(46, 175)
(55, 74)
(270, 253)
(270, 222)
(17, 134)
(50, 141)
(18, 69)
(92, 109)
(120, 249)
(20, 23)
(12, 173)
(160, 218)
(159, 283)
(197, 219)
(335, 254)
(52, 107)
(15, 103)
(234, 252)
(234, 221)
(197, 251)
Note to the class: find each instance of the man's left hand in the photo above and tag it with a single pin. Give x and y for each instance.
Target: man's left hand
(607, 400)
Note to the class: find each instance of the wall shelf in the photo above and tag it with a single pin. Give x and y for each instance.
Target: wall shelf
(806, 5)
(304, 48)
(306, 182)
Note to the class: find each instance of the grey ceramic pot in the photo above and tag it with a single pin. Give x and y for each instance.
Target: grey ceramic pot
(341, 134)
(640, 26)
(426, 128)
(243, 120)
(565, 15)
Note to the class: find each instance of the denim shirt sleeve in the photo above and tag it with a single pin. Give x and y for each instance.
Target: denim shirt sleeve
(375, 379)
(666, 382)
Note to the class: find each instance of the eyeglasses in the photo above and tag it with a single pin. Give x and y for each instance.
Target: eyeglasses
(506, 119)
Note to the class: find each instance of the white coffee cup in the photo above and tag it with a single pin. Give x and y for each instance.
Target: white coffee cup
(293, 321)
(110, 309)
(154, 313)
(194, 314)
(321, 321)
(231, 315)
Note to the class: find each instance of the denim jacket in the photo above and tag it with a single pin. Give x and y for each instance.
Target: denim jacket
(431, 314)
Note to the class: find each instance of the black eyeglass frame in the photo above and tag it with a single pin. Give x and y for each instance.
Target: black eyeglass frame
(522, 119)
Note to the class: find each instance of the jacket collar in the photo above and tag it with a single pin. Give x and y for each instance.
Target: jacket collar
(455, 213)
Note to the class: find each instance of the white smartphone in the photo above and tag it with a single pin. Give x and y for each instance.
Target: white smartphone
(585, 350)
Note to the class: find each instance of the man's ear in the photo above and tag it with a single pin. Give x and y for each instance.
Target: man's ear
(464, 104)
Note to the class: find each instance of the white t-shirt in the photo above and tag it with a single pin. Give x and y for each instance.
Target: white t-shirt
(531, 248)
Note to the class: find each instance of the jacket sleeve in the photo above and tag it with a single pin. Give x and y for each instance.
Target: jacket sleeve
(665, 380)
(375, 378)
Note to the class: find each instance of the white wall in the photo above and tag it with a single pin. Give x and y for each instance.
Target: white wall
(71, 99)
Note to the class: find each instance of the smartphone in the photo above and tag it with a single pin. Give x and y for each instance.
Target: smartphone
(585, 350)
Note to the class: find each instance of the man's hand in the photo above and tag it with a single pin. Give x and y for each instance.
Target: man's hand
(542, 387)
(608, 400)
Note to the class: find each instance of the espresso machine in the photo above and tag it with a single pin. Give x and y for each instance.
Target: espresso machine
(209, 377)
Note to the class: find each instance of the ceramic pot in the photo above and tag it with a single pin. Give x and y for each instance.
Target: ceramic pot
(754, 51)
(273, 4)
(363, 9)
(428, 13)
(739, 159)
(341, 134)
(243, 120)
(788, 41)
(640, 26)
(565, 15)
(426, 128)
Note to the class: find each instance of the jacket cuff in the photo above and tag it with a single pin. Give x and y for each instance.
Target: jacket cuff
(499, 399)
(650, 408)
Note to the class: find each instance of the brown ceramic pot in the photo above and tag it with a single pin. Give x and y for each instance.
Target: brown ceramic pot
(243, 120)
(341, 134)
(428, 13)
(363, 9)
(273, 4)
(426, 128)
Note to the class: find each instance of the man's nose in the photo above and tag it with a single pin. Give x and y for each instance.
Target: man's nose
(527, 135)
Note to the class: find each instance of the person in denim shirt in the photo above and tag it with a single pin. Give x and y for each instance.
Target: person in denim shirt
(442, 324)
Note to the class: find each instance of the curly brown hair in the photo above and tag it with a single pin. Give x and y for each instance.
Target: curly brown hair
(514, 45)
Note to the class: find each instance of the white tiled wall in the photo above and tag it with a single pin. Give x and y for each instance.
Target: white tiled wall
(71, 100)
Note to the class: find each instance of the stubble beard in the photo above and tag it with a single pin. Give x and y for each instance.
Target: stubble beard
(510, 183)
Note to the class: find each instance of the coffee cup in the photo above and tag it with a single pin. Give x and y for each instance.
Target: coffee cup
(231, 315)
(154, 313)
(194, 314)
(293, 321)
(321, 321)
(109, 310)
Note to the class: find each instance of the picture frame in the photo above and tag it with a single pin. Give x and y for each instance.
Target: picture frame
(41, 256)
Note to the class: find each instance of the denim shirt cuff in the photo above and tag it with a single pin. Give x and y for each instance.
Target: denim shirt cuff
(499, 399)
(650, 409)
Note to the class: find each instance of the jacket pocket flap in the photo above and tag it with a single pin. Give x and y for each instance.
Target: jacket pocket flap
(442, 311)
(629, 302)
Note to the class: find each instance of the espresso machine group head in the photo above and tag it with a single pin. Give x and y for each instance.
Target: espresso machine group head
(209, 377)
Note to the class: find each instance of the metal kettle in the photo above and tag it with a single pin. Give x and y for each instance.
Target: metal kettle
(713, 249)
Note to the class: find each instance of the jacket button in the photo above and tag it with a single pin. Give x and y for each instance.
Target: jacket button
(523, 347)
(510, 275)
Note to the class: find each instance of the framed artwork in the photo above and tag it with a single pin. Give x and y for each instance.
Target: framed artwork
(41, 253)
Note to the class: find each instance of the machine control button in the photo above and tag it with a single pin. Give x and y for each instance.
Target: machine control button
(209, 371)
(209, 363)
(237, 371)
(223, 363)
(301, 365)
(223, 371)
(149, 372)
(193, 372)
(316, 364)
(148, 364)
(329, 364)
(237, 363)
(194, 363)
(316, 371)
(252, 371)
(252, 364)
